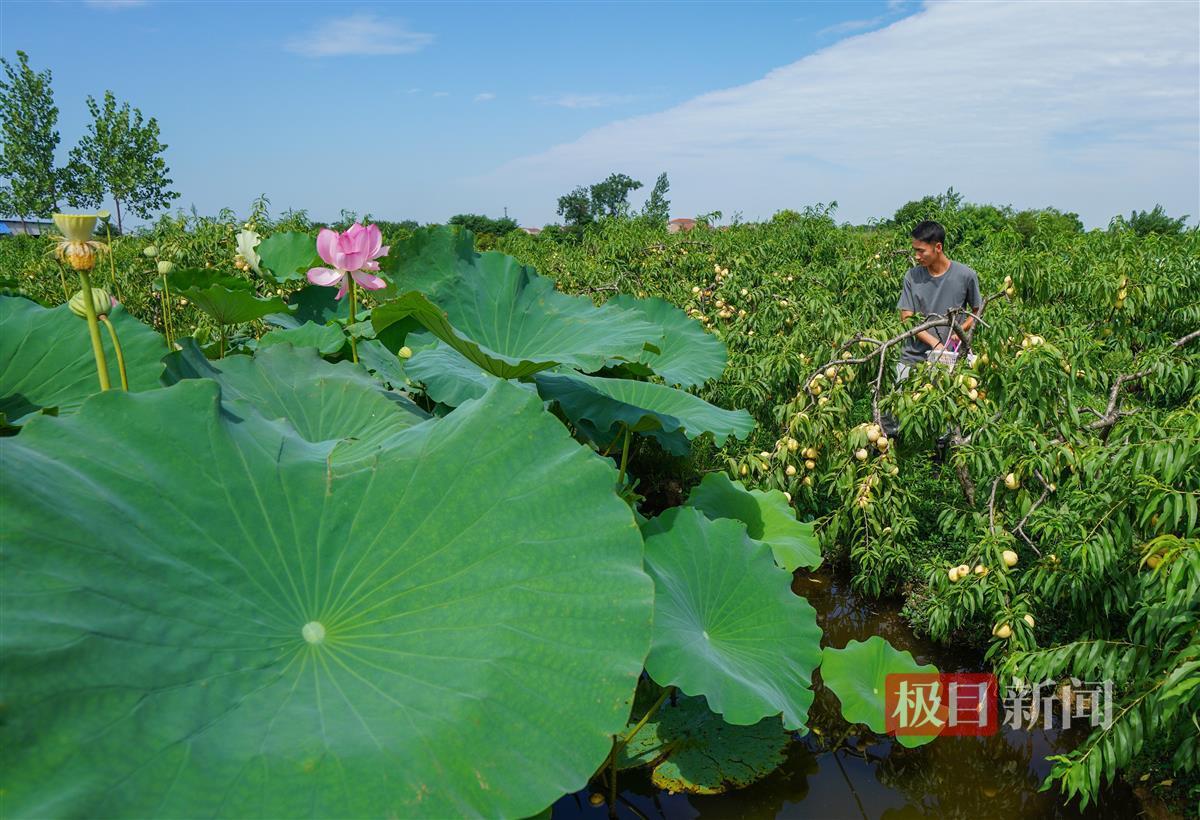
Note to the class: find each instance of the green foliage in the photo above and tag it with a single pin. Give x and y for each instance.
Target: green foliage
(32, 184)
(1144, 223)
(609, 199)
(480, 225)
(658, 208)
(120, 156)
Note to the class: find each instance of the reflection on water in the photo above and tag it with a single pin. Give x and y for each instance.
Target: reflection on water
(869, 776)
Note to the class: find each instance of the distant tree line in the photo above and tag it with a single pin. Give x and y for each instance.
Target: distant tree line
(120, 155)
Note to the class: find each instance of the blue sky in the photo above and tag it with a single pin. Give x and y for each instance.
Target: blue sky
(423, 110)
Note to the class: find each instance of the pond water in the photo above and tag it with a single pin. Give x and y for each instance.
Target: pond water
(870, 776)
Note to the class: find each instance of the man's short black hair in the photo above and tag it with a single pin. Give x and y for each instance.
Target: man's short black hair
(930, 232)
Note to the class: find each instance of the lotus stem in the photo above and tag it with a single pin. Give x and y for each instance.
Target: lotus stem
(112, 332)
(112, 265)
(221, 344)
(167, 329)
(620, 743)
(62, 277)
(350, 327)
(624, 456)
(94, 330)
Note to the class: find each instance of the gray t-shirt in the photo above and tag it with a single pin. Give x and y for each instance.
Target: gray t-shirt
(929, 296)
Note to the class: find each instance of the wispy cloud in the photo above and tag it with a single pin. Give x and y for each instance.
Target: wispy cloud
(1088, 106)
(484, 96)
(114, 4)
(849, 26)
(586, 100)
(359, 34)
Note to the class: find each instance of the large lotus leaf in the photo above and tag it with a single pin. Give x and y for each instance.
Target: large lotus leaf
(46, 358)
(694, 751)
(322, 401)
(767, 515)
(229, 300)
(289, 255)
(312, 303)
(500, 313)
(858, 676)
(673, 442)
(200, 278)
(449, 377)
(726, 623)
(206, 622)
(688, 356)
(327, 339)
(641, 406)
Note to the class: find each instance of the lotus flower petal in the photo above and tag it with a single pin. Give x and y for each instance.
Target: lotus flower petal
(368, 280)
(327, 242)
(325, 277)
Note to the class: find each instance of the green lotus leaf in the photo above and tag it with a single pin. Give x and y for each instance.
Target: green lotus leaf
(46, 358)
(312, 303)
(767, 515)
(688, 355)
(673, 442)
(288, 256)
(204, 622)
(229, 300)
(726, 623)
(694, 751)
(202, 278)
(641, 406)
(327, 339)
(501, 314)
(322, 401)
(383, 363)
(858, 676)
(449, 377)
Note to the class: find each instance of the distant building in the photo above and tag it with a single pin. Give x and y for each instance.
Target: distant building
(680, 225)
(532, 231)
(33, 227)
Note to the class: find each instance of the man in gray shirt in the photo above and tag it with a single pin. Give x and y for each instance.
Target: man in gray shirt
(933, 287)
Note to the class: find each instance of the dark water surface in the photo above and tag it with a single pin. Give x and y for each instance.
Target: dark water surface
(871, 776)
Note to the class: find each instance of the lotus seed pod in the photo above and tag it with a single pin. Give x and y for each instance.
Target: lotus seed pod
(150, 251)
(165, 266)
(101, 301)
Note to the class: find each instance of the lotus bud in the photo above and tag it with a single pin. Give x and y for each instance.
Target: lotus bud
(405, 352)
(101, 301)
(165, 266)
(150, 251)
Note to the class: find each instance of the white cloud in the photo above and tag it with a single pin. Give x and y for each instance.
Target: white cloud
(1087, 106)
(850, 26)
(359, 34)
(586, 100)
(484, 96)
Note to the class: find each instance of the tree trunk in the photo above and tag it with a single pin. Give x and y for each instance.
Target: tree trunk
(120, 230)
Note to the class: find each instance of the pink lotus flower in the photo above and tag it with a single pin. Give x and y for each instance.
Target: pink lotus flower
(349, 254)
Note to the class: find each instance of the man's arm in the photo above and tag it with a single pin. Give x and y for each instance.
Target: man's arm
(925, 336)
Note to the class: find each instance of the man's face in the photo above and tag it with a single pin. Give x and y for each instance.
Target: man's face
(924, 253)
